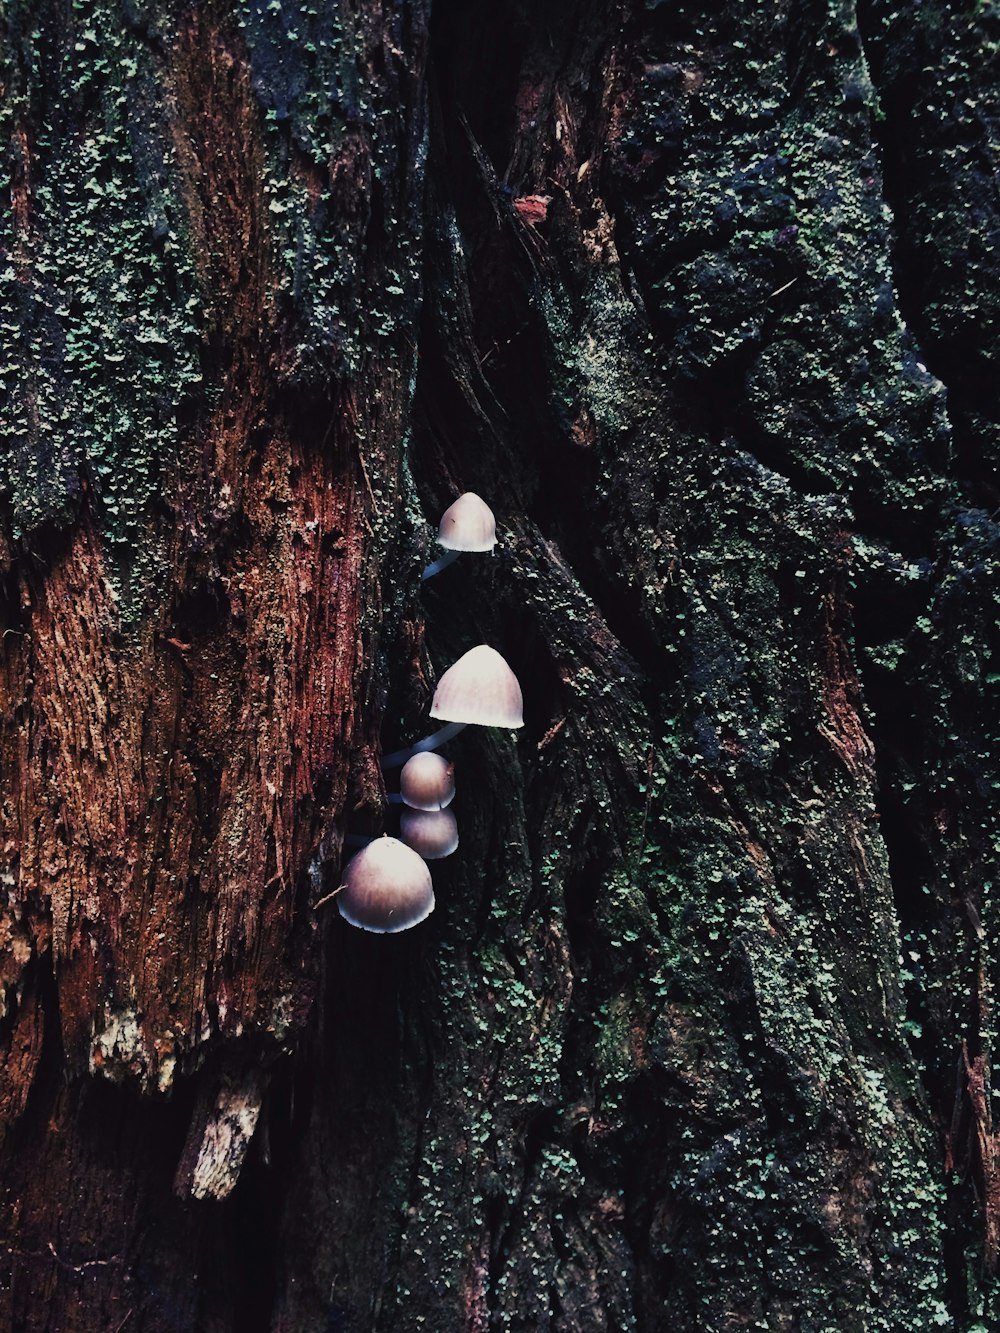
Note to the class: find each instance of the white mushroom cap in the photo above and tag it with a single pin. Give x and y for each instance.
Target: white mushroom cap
(387, 888)
(468, 525)
(431, 833)
(427, 781)
(480, 689)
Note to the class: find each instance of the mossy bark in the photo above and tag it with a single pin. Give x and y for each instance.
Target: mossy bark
(703, 300)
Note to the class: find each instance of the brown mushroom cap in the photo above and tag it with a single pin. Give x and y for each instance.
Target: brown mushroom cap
(427, 781)
(468, 525)
(479, 689)
(431, 833)
(387, 888)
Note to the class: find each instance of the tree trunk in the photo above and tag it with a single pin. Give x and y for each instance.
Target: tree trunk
(705, 301)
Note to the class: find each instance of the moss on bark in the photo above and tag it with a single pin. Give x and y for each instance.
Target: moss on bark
(700, 1034)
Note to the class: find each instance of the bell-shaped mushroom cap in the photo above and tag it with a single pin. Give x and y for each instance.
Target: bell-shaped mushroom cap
(468, 525)
(386, 888)
(431, 833)
(480, 689)
(427, 781)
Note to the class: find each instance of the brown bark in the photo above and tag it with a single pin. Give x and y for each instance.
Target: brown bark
(181, 720)
(679, 1046)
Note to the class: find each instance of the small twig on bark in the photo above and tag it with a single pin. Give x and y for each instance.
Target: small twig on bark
(328, 898)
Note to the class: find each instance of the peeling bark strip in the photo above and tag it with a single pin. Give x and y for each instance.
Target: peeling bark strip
(703, 299)
(219, 1137)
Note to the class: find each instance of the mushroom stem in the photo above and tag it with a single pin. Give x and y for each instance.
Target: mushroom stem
(432, 742)
(436, 566)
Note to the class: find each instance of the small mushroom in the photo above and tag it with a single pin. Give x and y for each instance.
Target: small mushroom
(427, 782)
(387, 888)
(466, 525)
(479, 689)
(433, 834)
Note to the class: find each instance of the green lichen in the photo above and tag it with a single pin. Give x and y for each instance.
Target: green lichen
(334, 168)
(100, 339)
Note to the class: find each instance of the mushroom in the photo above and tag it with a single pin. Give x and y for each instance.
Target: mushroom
(433, 834)
(427, 782)
(479, 689)
(466, 525)
(387, 888)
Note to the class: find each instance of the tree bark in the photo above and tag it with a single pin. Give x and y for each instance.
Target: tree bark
(704, 301)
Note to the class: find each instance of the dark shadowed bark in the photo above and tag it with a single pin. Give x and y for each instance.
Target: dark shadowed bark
(704, 300)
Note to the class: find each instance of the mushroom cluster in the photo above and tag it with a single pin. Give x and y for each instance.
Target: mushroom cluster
(387, 886)
(426, 787)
